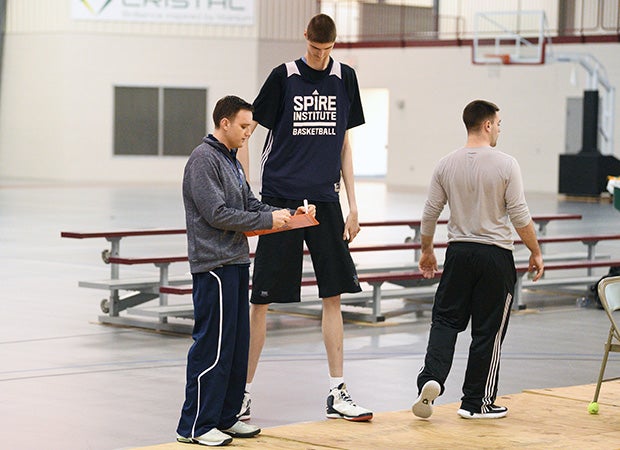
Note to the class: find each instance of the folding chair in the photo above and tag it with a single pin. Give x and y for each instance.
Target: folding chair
(609, 293)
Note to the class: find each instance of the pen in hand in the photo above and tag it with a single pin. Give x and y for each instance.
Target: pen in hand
(306, 205)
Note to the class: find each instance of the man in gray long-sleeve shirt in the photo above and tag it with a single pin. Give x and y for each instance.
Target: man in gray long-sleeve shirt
(484, 191)
(219, 207)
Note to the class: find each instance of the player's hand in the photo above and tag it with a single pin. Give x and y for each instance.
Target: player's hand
(536, 267)
(428, 264)
(351, 227)
(280, 218)
(311, 210)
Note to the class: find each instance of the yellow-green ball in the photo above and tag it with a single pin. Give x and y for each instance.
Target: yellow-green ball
(593, 408)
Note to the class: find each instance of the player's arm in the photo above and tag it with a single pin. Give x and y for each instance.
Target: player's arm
(428, 260)
(266, 109)
(528, 236)
(433, 206)
(519, 214)
(351, 226)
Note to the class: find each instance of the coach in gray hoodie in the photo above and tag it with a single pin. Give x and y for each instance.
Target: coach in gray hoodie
(219, 207)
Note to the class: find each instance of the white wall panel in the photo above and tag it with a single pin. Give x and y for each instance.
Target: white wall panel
(274, 20)
(57, 98)
(283, 19)
(429, 87)
(56, 114)
(43, 16)
(56, 104)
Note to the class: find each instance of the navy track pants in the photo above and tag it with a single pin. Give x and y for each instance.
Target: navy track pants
(217, 361)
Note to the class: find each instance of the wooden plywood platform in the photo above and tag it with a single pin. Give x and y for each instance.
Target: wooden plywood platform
(551, 418)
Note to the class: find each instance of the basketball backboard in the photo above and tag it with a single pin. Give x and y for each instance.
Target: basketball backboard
(509, 37)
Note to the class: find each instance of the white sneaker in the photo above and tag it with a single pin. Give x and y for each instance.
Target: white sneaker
(341, 406)
(423, 406)
(242, 430)
(486, 412)
(244, 412)
(212, 438)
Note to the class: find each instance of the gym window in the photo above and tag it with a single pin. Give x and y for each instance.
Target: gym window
(158, 121)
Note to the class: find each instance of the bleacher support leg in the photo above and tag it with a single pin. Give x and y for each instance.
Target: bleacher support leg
(516, 301)
(376, 301)
(163, 281)
(113, 309)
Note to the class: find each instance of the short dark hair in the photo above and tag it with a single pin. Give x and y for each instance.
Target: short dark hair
(228, 107)
(321, 29)
(478, 111)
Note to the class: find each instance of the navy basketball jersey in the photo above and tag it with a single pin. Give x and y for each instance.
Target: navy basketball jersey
(301, 157)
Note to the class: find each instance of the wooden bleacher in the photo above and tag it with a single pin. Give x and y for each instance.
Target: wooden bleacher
(419, 295)
(385, 283)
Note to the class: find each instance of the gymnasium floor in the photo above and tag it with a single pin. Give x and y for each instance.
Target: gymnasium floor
(67, 382)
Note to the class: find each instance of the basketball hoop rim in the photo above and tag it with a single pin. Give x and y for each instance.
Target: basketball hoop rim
(503, 58)
(506, 59)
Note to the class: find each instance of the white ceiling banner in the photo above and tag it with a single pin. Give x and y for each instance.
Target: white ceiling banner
(214, 12)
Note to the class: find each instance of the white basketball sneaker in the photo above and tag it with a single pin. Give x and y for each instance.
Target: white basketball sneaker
(341, 406)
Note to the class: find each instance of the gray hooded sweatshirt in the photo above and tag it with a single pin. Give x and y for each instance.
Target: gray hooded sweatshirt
(219, 207)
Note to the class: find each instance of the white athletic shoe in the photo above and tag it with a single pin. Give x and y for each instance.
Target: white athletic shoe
(423, 406)
(244, 412)
(487, 412)
(212, 438)
(242, 430)
(340, 406)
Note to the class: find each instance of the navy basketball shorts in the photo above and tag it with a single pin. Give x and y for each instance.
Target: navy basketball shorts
(278, 263)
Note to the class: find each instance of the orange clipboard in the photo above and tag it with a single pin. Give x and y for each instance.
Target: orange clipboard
(297, 221)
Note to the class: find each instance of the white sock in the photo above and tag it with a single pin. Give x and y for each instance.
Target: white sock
(334, 382)
(248, 386)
